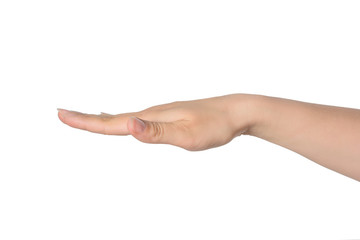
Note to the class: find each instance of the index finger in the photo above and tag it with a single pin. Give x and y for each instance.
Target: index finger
(104, 123)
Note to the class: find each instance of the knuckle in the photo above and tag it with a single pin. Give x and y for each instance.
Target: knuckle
(105, 120)
(157, 132)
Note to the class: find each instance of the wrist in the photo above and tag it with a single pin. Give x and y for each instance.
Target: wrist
(258, 115)
(246, 113)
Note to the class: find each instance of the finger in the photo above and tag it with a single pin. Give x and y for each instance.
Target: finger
(106, 114)
(112, 125)
(175, 133)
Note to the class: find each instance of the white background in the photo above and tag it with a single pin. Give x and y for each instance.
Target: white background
(57, 182)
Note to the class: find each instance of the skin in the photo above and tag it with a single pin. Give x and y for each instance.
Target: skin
(327, 135)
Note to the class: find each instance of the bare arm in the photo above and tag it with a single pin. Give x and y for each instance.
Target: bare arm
(327, 135)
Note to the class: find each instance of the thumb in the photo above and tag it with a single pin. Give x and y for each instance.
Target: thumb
(154, 132)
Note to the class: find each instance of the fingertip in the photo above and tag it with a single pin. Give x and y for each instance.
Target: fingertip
(66, 115)
(139, 125)
(60, 113)
(135, 125)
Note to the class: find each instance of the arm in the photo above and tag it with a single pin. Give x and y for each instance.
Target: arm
(327, 135)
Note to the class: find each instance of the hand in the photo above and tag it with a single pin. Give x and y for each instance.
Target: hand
(192, 125)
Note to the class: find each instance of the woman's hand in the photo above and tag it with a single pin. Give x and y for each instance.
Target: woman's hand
(192, 125)
(327, 135)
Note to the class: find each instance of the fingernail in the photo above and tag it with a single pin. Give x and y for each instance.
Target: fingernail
(139, 126)
(64, 112)
(105, 113)
(61, 111)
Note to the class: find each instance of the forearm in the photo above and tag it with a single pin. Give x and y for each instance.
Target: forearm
(327, 135)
